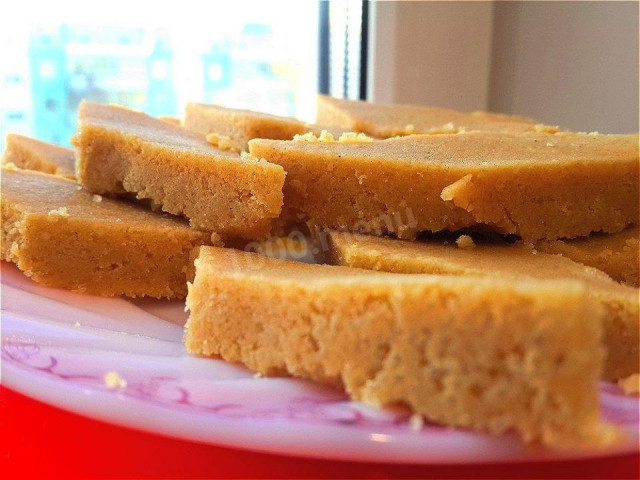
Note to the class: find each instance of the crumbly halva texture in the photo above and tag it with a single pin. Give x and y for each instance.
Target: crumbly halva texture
(585, 183)
(516, 263)
(31, 154)
(510, 182)
(60, 211)
(389, 120)
(326, 136)
(223, 142)
(461, 351)
(616, 254)
(312, 137)
(240, 126)
(60, 237)
(121, 151)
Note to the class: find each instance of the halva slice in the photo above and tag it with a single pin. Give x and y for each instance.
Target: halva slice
(31, 154)
(514, 263)
(462, 351)
(120, 150)
(535, 185)
(389, 120)
(63, 236)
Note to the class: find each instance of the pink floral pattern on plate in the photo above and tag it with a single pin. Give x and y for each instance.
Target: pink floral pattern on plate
(57, 347)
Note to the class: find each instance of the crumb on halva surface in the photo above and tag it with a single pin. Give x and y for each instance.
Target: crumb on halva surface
(306, 137)
(9, 166)
(416, 422)
(96, 198)
(323, 136)
(247, 156)
(223, 142)
(60, 212)
(446, 128)
(353, 137)
(216, 239)
(112, 379)
(327, 137)
(465, 241)
(631, 384)
(541, 128)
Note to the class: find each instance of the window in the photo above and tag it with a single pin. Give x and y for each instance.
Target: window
(246, 54)
(346, 33)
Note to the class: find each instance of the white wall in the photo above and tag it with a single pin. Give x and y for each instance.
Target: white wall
(431, 53)
(569, 63)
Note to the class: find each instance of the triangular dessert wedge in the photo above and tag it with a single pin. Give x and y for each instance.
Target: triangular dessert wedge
(616, 254)
(63, 236)
(120, 151)
(31, 154)
(535, 185)
(233, 128)
(513, 263)
(480, 353)
(381, 120)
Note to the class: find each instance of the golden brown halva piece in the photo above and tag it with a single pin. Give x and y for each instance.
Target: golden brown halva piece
(516, 263)
(121, 151)
(616, 254)
(32, 154)
(536, 185)
(233, 128)
(381, 120)
(171, 120)
(461, 351)
(63, 236)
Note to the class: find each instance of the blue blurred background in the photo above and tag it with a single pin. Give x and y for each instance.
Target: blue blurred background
(250, 54)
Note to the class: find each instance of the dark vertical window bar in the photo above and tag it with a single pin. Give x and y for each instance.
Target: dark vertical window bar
(323, 44)
(364, 45)
(343, 48)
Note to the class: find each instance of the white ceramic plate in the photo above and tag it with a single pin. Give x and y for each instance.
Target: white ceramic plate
(57, 347)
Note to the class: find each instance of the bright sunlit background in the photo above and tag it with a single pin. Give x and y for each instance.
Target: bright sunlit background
(573, 64)
(258, 55)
